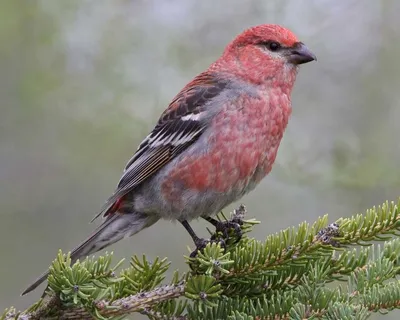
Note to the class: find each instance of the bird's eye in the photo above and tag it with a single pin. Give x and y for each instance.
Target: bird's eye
(273, 46)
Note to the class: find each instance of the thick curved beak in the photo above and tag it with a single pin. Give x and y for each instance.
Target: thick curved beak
(300, 54)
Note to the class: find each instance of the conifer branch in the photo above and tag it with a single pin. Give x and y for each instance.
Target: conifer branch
(283, 277)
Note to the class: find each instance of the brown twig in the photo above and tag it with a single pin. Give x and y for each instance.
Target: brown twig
(135, 303)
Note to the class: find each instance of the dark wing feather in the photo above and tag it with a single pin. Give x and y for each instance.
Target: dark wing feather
(178, 127)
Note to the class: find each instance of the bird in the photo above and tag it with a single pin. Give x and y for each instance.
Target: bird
(213, 144)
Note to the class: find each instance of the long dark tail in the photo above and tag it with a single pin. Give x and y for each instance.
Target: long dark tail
(116, 227)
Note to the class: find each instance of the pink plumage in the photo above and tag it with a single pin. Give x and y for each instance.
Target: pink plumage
(214, 143)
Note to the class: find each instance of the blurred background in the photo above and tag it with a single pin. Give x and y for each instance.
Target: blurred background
(83, 82)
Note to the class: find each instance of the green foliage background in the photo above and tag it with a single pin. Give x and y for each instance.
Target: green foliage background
(82, 82)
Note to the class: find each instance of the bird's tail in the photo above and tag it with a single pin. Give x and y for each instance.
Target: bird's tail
(116, 227)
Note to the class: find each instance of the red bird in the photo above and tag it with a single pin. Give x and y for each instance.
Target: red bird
(214, 143)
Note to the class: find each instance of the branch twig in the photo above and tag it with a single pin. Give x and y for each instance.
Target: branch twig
(124, 306)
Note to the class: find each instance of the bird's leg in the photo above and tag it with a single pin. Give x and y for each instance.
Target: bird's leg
(200, 243)
(189, 229)
(225, 226)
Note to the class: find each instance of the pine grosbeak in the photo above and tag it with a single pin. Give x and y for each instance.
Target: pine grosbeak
(214, 143)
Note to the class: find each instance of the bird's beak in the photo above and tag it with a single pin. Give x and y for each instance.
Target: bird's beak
(299, 54)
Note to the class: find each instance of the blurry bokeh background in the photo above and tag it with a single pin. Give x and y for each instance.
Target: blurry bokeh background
(82, 82)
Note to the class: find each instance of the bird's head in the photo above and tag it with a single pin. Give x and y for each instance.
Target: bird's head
(266, 51)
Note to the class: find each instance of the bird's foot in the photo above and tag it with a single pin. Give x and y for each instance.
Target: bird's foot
(224, 228)
(202, 243)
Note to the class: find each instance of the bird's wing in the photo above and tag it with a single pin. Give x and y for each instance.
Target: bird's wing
(178, 127)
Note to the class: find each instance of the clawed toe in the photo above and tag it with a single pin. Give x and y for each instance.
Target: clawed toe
(225, 227)
(202, 243)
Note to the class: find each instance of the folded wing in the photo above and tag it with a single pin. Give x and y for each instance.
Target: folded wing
(179, 126)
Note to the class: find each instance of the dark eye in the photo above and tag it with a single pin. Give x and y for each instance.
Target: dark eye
(273, 46)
